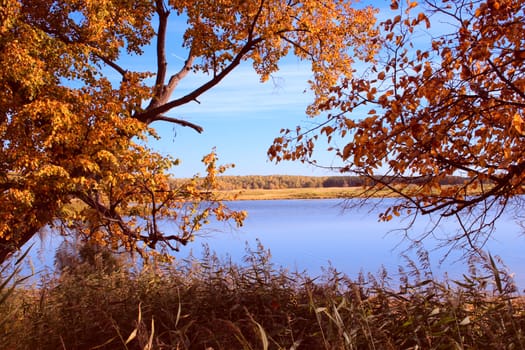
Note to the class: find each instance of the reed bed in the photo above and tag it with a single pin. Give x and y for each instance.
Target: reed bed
(212, 303)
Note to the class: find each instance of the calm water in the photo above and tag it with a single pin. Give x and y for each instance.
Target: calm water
(310, 234)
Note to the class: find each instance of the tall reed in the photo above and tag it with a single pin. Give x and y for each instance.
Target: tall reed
(213, 303)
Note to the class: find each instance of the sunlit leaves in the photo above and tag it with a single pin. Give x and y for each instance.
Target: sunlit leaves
(74, 118)
(69, 155)
(328, 34)
(518, 124)
(453, 105)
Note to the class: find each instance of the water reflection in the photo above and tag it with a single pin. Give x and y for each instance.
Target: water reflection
(310, 234)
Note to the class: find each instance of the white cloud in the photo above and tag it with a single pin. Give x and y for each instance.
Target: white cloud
(242, 93)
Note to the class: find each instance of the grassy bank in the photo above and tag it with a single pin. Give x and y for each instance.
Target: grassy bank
(303, 193)
(214, 304)
(296, 193)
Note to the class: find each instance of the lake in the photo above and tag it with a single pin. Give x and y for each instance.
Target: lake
(311, 234)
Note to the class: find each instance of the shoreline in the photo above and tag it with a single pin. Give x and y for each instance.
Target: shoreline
(300, 193)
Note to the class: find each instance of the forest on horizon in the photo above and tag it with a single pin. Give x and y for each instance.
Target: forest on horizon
(274, 182)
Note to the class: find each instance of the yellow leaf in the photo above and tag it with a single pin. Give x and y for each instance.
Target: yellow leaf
(518, 124)
(394, 5)
(465, 321)
(347, 151)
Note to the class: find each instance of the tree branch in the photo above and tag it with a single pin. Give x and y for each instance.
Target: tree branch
(161, 46)
(296, 45)
(181, 122)
(176, 78)
(506, 80)
(159, 104)
(113, 65)
(152, 114)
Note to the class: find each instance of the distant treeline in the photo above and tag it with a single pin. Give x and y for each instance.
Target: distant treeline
(270, 182)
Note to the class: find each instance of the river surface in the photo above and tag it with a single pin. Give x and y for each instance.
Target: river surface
(314, 234)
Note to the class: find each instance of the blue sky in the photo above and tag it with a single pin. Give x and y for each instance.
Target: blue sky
(241, 117)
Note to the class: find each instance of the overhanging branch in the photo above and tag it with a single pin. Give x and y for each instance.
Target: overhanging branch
(152, 114)
(181, 122)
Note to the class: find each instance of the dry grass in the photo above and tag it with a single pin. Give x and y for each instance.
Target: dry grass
(331, 192)
(214, 304)
(302, 193)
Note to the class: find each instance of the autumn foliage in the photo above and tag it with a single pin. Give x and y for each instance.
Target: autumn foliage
(444, 96)
(75, 115)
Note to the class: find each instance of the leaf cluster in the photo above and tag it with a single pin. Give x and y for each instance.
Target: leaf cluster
(74, 119)
(443, 97)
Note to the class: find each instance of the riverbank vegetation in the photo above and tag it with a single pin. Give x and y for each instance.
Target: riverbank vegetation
(100, 302)
(257, 187)
(274, 182)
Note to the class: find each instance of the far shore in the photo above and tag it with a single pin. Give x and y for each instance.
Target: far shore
(302, 193)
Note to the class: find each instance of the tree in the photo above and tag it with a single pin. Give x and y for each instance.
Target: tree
(452, 107)
(73, 140)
